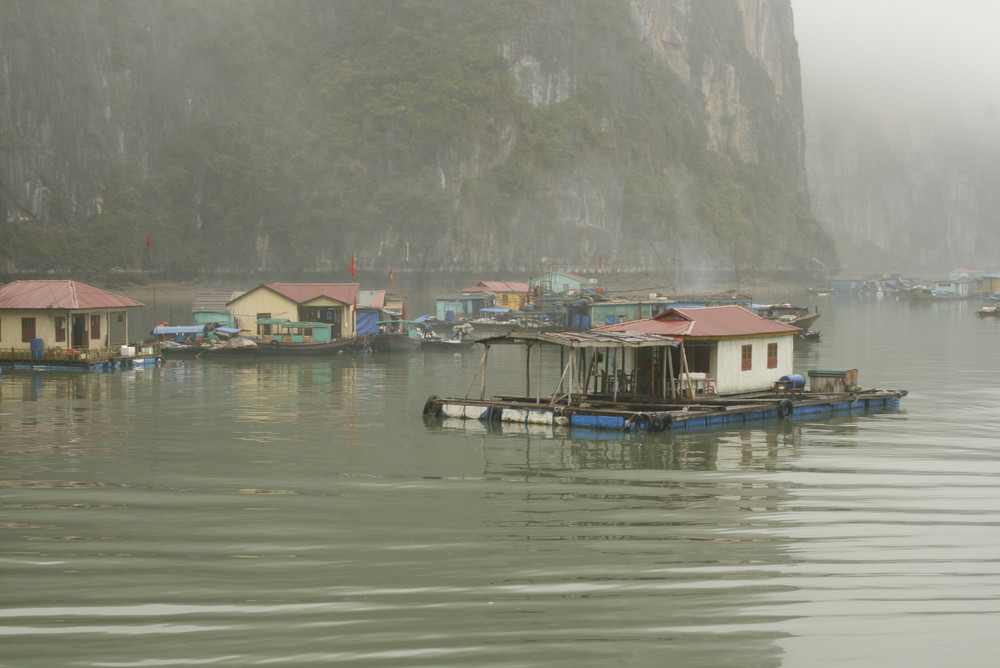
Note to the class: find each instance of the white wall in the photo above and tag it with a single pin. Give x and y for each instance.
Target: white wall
(728, 373)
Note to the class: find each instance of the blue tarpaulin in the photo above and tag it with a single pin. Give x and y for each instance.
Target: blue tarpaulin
(494, 310)
(366, 322)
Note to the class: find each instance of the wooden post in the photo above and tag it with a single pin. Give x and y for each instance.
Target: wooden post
(482, 388)
(538, 378)
(527, 373)
(670, 365)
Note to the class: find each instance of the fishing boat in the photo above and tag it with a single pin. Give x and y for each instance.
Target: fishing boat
(798, 316)
(400, 336)
(645, 380)
(286, 337)
(990, 308)
(202, 340)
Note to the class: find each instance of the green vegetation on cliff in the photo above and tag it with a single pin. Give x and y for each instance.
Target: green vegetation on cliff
(282, 137)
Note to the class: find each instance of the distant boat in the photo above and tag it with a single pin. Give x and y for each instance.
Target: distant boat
(989, 309)
(799, 316)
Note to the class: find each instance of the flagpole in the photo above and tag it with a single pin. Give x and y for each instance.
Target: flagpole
(152, 275)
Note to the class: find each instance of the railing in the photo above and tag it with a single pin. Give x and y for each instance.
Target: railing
(74, 354)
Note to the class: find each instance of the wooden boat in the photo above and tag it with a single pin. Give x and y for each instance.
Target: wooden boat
(989, 309)
(667, 400)
(400, 336)
(799, 316)
(178, 341)
(285, 337)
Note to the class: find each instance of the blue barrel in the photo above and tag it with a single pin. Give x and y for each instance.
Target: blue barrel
(584, 322)
(37, 349)
(449, 316)
(796, 379)
(574, 320)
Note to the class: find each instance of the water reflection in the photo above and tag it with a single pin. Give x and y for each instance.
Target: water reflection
(303, 512)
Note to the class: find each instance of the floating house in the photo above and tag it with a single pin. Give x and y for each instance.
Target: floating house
(498, 294)
(330, 304)
(485, 299)
(62, 324)
(682, 369)
(735, 349)
(212, 307)
(561, 283)
(369, 311)
(991, 283)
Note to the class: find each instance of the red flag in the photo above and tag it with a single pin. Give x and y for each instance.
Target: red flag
(149, 240)
(391, 282)
(600, 260)
(354, 267)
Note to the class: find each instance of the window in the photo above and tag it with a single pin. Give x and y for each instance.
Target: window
(27, 329)
(746, 358)
(95, 326)
(772, 356)
(263, 330)
(60, 329)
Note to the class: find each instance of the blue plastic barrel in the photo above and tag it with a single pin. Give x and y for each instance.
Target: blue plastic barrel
(796, 379)
(584, 322)
(449, 316)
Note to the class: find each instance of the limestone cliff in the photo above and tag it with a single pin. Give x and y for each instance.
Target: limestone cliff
(280, 138)
(904, 190)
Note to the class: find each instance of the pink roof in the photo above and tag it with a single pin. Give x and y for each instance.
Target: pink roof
(64, 295)
(300, 293)
(708, 322)
(498, 286)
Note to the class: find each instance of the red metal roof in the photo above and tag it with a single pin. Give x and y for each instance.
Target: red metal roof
(498, 286)
(300, 293)
(59, 295)
(708, 322)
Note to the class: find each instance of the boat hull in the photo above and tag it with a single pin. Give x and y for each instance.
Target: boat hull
(445, 345)
(395, 343)
(303, 348)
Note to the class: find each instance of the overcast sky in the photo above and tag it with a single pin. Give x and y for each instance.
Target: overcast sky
(901, 52)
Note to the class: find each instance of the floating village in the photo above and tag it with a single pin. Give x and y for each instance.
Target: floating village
(656, 363)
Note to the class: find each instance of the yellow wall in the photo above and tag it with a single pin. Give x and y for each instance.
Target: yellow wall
(991, 283)
(263, 300)
(512, 300)
(45, 328)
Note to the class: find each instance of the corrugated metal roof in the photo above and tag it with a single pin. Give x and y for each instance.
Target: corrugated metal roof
(592, 339)
(300, 293)
(707, 322)
(214, 301)
(371, 298)
(59, 295)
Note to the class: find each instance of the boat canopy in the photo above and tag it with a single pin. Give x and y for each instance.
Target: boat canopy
(194, 329)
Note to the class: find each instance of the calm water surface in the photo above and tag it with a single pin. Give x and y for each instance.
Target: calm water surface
(303, 513)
